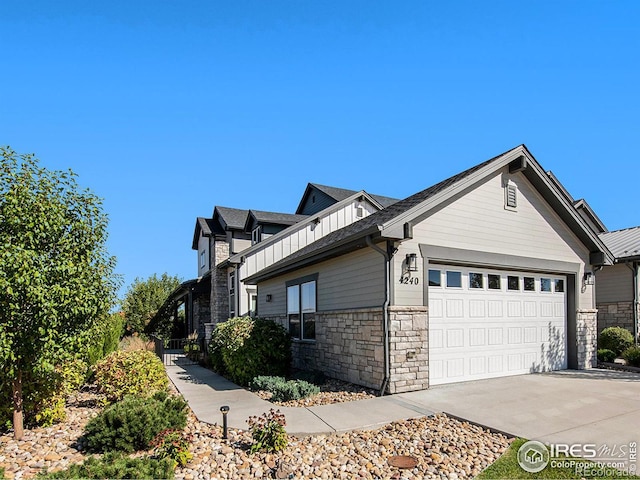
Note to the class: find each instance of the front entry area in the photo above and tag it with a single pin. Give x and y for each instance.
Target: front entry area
(486, 323)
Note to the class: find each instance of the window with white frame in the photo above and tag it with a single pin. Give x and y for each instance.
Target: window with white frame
(232, 293)
(203, 259)
(256, 235)
(301, 308)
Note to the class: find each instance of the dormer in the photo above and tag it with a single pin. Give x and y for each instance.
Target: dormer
(317, 197)
(261, 225)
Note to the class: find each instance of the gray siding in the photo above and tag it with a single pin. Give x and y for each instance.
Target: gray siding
(355, 280)
(614, 284)
(479, 221)
(322, 201)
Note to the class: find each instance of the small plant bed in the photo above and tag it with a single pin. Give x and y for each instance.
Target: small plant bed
(330, 391)
(507, 467)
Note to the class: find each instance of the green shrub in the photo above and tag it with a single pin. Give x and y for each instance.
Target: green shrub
(617, 339)
(134, 422)
(632, 356)
(268, 432)
(248, 348)
(117, 466)
(44, 394)
(174, 445)
(605, 355)
(123, 373)
(1, 473)
(103, 338)
(283, 390)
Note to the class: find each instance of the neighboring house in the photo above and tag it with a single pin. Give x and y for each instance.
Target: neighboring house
(618, 287)
(485, 274)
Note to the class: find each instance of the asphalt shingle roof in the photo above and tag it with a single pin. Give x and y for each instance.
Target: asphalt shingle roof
(340, 194)
(277, 218)
(377, 219)
(623, 243)
(233, 217)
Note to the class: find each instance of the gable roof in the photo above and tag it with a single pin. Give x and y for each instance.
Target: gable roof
(230, 218)
(207, 227)
(274, 218)
(389, 223)
(624, 244)
(308, 219)
(339, 194)
(582, 206)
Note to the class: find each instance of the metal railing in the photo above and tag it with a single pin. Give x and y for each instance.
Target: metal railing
(179, 351)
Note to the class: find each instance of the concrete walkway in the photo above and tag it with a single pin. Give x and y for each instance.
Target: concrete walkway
(207, 391)
(599, 407)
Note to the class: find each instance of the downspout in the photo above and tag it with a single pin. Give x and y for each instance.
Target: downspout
(634, 271)
(385, 312)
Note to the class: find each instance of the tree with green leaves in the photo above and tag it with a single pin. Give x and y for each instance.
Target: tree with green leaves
(144, 298)
(56, 276)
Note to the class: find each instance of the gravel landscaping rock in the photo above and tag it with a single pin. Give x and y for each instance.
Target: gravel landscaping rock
(444, 448)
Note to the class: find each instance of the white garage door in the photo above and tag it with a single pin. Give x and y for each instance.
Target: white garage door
(492, 323)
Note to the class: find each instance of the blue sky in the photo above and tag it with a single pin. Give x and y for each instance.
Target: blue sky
(167, 108)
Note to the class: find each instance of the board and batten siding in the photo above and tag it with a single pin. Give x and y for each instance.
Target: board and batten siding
(302, 236)
(614, 283)
(478, 220)
(354, 280)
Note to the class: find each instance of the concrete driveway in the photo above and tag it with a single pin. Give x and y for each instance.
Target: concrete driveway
(601, 407)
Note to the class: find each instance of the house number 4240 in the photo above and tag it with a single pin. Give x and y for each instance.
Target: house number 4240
(409, 280)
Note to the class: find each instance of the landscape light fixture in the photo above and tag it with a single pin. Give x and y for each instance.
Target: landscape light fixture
(224, 409)
(412, 262)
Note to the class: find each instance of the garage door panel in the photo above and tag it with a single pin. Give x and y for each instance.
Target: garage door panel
(485, 333)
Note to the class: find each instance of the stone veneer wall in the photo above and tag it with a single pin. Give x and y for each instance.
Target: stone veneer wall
(587, 338)
(201, 313)
(615, 314)
(219, 282)
(349, 347)
(409, 338)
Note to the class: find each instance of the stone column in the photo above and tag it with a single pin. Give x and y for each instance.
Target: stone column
(219, 303)
(587, 338)
(409, 348)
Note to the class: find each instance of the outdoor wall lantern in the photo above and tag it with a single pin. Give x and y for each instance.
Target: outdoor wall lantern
(269, 297)
(589, 278)
(412, 262)
(224, 409)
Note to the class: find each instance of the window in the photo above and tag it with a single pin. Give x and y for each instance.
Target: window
(529, 284)
(454, 279)
(359, 212)
(253, 304)
(545, 285)
(301, 310)
(232, 293)
(435, 278)
(559, 286)
(493, 281)
(203, 259)
(475, 280)
(513, 282)
(256, 235)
